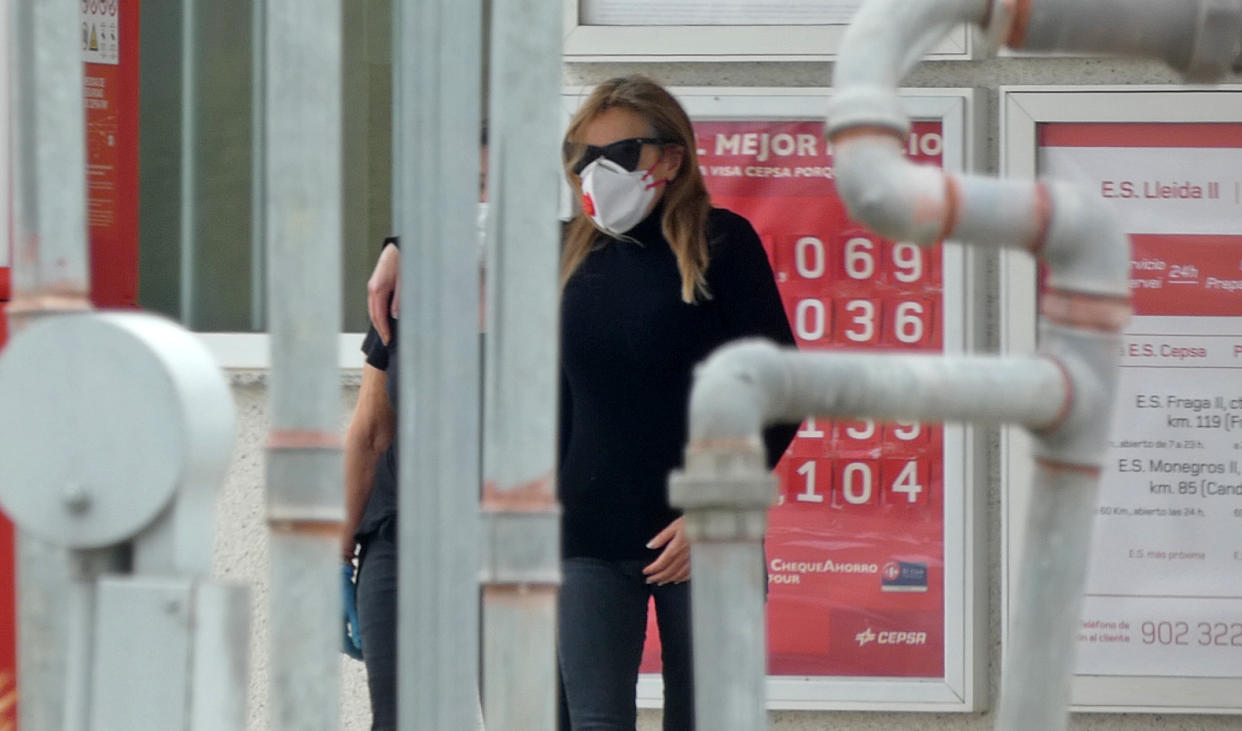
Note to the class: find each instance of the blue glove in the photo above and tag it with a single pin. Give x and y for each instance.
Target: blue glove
(352, 639)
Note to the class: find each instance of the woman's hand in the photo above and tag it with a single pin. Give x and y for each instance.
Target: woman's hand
(384, 287)
(673, 564)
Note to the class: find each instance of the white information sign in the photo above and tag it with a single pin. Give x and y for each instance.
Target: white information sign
(1163, 590)
(1161, 626)
(717, 12)
(100, 22)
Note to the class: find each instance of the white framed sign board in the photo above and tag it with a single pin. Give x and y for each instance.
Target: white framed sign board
(1161, 629)
(719, 30)
(873, 553)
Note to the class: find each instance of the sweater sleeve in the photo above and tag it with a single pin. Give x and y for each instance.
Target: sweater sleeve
(744, 290)
(375, 350)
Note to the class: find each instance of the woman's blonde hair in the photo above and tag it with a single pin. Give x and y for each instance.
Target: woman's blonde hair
(686, 201)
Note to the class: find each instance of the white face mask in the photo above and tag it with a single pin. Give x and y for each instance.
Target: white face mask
(615, 198)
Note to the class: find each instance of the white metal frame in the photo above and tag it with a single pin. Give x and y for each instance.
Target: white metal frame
(962, 687)
(667, 43)
(1022, 109)
(249, 351)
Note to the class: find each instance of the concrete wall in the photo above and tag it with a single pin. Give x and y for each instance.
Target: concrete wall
(241, 552)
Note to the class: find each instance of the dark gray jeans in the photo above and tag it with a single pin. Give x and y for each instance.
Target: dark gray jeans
(602, 625)
(377, 619)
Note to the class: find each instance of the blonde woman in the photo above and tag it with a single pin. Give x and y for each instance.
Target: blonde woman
(653, 280)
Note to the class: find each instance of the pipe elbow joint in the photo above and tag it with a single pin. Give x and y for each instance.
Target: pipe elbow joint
(735, 390)
(725, 487)
(890, 195)
(1086, 250)
(1088, 362)
(866, 106)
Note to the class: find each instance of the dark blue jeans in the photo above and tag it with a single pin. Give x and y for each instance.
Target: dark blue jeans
(602, 625)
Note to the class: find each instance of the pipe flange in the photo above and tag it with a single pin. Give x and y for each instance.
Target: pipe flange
(727, 477)
(1218, 45)
(724, 526)
(866, 106)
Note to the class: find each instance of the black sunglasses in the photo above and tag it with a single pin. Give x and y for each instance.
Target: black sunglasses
(623, 152)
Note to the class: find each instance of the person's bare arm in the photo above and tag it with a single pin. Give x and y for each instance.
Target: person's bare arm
(371, 431)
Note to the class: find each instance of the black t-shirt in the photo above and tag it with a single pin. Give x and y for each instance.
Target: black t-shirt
(628, 348)
(382, 504)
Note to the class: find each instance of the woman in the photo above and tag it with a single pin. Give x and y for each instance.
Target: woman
(653, 280)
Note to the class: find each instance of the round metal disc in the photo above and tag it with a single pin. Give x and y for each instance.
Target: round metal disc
(93, 430)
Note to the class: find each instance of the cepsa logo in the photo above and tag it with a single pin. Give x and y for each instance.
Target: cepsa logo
(909, 639)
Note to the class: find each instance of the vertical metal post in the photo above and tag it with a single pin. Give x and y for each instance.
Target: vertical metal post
(303, 220)
(1039, 657)
(48, 149)
(521, 518)
(725, 493)
(438, 47)
(49, 155)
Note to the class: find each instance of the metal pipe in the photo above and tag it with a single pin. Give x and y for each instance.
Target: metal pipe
(892, 35)
(745, 386)
(87, 566)
(1035, 685)
(49, 160)
(50, 275)
(303, 223)
(438, 74)
(520, 515)
(1065, 395)
(725, 490)
(1199, 38)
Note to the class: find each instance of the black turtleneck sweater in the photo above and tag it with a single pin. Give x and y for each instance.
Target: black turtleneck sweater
(628, 349)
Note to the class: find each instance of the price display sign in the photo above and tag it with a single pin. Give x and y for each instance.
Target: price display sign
(854, 548)
(1162, 598)
(866, 557)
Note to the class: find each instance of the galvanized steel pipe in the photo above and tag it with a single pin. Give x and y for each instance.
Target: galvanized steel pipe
(746, 386)
(50, 263)
(1198, 38)
(520, 515)
(50, 270)
(438, 69)
(1064, 395)
(303, 225)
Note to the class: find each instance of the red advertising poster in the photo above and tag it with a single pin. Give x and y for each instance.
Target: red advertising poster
(109, 30)
(1162, 582)
(855, 547)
